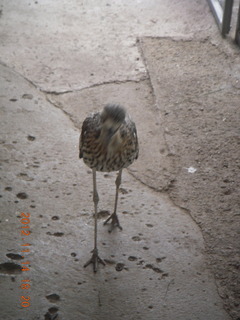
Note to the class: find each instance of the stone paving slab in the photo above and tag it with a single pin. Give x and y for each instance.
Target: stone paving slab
(155, 167)
(196, 84)
(80, 43)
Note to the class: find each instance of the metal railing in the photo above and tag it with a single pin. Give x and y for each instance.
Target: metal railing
(237, 35)
(223, 14)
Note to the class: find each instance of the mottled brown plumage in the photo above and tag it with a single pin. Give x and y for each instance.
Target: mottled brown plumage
(108, 142)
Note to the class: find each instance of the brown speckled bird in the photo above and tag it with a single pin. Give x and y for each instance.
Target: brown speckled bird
(108, 142)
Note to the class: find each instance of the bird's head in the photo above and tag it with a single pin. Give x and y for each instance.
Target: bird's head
(112, 117)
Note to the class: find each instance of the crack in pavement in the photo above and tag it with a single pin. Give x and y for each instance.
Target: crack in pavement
(143, 78)
(170, 230)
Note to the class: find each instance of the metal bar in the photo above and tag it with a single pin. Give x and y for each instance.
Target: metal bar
(217, 11)
(237, 36)
(227, 14)
(222, 15)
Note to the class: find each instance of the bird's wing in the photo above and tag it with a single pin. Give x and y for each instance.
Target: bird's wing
(85, 127)
(90, 126)
(133, 129)
(136, 139)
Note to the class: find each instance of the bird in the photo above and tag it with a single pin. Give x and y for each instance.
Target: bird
(108, 142)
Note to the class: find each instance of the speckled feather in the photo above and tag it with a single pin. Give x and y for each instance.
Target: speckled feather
(119, 153)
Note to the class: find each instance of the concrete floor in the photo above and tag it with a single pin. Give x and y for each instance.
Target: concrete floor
(59, 62)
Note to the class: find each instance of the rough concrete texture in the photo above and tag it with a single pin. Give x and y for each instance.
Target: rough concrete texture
(201, 127)
(164, 272)
(177, 256)
(82, 43)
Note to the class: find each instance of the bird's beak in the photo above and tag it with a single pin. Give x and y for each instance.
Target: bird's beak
(108, 136)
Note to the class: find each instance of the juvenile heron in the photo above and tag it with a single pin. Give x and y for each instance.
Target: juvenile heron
(108, 142)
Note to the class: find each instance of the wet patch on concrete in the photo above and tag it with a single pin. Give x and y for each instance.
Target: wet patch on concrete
(53, 297)
(10, 268)
(14, 256)
(22, 195)
(55, 234)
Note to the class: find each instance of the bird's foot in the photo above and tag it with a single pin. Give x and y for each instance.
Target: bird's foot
(114, 222)
(95, 259)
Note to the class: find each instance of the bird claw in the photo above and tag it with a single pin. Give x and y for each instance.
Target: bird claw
(95, 259)
(114, 222)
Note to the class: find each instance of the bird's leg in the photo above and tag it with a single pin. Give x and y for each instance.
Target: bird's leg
(95, 259)
(114, 217)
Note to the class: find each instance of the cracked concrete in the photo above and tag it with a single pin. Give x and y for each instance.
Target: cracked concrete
(60, 62)
(79, 44)
(208, 141)
(160, 247)
(154, 172)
